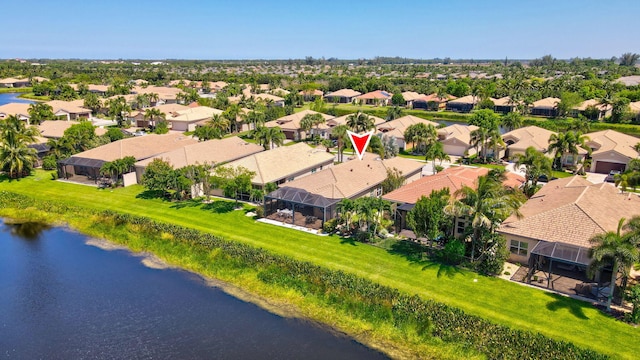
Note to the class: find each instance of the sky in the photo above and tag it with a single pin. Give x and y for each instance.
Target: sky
(294, 29)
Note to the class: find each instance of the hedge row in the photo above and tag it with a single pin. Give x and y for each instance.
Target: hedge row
(357, 296)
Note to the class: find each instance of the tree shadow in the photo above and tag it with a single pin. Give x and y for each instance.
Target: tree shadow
(219, 207)
(348, 240)
(186, 203)
(413, 252)
(575, 307)
(444, 269)
(152, 194)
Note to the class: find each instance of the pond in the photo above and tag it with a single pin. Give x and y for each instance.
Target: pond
(63, 298)
(13, 98)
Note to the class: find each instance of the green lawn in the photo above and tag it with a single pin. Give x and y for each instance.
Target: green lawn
(495, 299)
(15, 90)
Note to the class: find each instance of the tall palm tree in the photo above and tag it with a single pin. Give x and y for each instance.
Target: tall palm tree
(486, 206)
(616, 248)
(535, 164)
(360, 122)
(269, 137)
(434, 152)
(340, 133)
(153, 114)
(512, 121)
(219, 122)
(16, 157)
(478, 139)
(564, 144)
(232, 113)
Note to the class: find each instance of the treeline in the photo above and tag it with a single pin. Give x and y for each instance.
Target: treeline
(358, 297)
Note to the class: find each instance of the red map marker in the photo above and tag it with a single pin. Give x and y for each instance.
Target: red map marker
(360, 142)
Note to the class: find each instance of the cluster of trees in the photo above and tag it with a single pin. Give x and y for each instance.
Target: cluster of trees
(363, 218)
(482, 208)
(115, 169)
(17, 158)
(630, 178)
(77, 138)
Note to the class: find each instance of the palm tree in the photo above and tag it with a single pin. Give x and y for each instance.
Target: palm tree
(152, 114)
(360, 122)
(219, 123)
(486, 206)
(620, 250)
(39, 112)
(512, 121)
(535, 164)
(564, 144)
(434, 152)
(421, 135)
(340, 133)
(269, 136)
(16, 157)
(394, 113)
(478, 139)
(311, 120)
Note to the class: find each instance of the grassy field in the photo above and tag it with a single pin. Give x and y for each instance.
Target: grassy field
(15, 90)
(495, 299)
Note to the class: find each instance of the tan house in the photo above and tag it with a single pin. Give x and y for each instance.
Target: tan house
(456, 139)
(213, 152)
(54, 129)
(397, 127)
(285, 163)
(377, 98)
(519, 140)
(85, 166)
(545, 107)
(14, 83)
(166, 95)
(432, 102)
(20, 110)
(464, 104)
(562, 216)
(325, 129)
(186, 120)
(138, 116)
(72, 110)
(343, 96)
(317, 195)
(269, 99)
(504, 105)
(311, 95)
(603, 110)
(611, 150)
(410, 96)
(290, 124)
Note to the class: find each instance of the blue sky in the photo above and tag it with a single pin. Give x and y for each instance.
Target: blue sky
(251, 29)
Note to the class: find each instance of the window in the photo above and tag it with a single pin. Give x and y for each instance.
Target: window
(519, 247)
(313, 171)
(461, 224)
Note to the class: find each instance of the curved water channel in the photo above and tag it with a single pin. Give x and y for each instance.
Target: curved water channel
(61, 298)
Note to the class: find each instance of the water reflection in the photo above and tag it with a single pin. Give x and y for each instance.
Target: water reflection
(28, 230)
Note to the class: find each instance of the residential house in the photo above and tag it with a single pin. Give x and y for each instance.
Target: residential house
(456, 139)
(285, 163)
(453, 178)
(166, 95)
(138, 116)
(558, 221)
(432, 102)
(397, 127)
(545, 107)
(54, 129)
(14, 83)
(21, 110)
(611, 150)
(316, 196)
(72, 110)
(519, 140)
(633, 80)
(325, 129)
(634, 107)
(377, 98)
(464, 104)
(290, 124)
(85, 166)
(311, 95)
(504, 105)
(410, 96)
(270, 100)
(343, 96)
(603, 110)
(186, 120)
(214, 152)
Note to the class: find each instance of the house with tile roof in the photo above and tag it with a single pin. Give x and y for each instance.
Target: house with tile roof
(504, 105)
(397, 128)
(214, 152)
(343, 96)
(54, 129)
(290, 124)
(72, 110)
(189, 118)
(318, 194)
(85, 167)
(456, 139)
(520, 139)
(611, 150)
(545, 107)
(21, 110)
(432, 102)
(558, 221)
(377, 98)
(14, 83)
(453, 178)
(464, 104)
(285, 163)
(410, 96)
(602, 110)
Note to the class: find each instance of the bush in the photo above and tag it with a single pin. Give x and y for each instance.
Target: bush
(492, 261)
(453, 252)
(259, 212)
(330, 226)
(49, 162)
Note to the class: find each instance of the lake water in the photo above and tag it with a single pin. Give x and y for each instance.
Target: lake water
(13, 98)
(63, 299)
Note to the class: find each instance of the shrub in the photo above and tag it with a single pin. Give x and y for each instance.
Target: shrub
(453, 252)
(49, 162)
(259, 212)
(330, 226)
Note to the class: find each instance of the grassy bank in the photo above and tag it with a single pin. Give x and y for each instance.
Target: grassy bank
(15, 90)
(32, 96)
(494, 299)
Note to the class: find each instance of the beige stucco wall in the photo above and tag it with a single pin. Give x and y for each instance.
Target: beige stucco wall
(518, 258)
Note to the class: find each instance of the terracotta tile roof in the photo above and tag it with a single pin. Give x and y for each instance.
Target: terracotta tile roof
(283, 162)
(267, 97)
(215, 152)
(343, 93)
(453, 178)
(292, 122)
(503, 101)
(56, 128)
(572, 210)
(193, 114)
(397, 127)
(353, 177)
(412, 95)
(611, 140)
(469, 99)
(529, 136)
(140, 147)
(436, 98)
(378, 94)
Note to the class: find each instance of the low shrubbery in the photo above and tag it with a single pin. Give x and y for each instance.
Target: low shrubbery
(353, 295)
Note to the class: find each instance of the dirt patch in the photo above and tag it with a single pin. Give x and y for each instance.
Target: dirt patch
(104, 244)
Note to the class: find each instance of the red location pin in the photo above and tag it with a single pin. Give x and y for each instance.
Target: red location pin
(360, 142)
